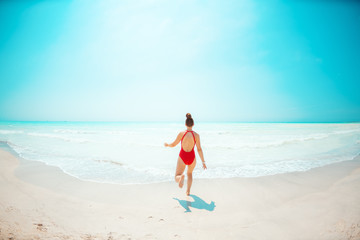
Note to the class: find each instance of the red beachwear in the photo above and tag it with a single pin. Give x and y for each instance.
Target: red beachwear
(187, 157)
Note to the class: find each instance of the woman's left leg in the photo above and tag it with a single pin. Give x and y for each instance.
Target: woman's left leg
(189, 176)
(179, 176)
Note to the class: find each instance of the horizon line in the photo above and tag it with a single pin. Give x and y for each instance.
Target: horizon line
(166, 121)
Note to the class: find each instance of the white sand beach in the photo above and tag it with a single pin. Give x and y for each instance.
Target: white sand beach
(41, 202)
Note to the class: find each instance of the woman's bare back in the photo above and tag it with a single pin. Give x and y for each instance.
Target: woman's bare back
(188, 141)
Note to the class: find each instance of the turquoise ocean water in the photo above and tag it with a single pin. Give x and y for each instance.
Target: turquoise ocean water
(134, 153)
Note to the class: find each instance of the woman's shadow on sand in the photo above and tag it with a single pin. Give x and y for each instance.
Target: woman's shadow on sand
(197, 203)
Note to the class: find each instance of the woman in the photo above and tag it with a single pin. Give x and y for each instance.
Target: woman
(188, 139)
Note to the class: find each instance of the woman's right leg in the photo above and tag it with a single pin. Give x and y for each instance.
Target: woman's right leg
(189, 176)
(179, 176)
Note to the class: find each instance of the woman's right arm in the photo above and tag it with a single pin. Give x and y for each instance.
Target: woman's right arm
(200, 152)
(177, 140)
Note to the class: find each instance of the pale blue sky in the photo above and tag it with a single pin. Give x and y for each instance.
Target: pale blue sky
(252, 61)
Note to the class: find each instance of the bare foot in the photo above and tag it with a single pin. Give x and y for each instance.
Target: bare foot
(187, 193)
(181, 182)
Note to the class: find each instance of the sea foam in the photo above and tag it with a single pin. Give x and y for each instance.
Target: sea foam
(129, 153)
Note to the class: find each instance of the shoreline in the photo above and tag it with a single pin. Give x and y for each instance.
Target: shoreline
(43, 202)
(106, 157)
(26, 165)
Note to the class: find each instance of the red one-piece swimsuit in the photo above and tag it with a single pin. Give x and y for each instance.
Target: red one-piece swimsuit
(187, 157)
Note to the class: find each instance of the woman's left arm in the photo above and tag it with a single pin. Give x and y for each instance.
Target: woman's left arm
(177, 140)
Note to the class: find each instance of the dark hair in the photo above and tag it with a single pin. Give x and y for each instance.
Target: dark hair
(189, 121)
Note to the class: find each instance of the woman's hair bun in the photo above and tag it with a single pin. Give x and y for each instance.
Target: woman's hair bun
(189, 121)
